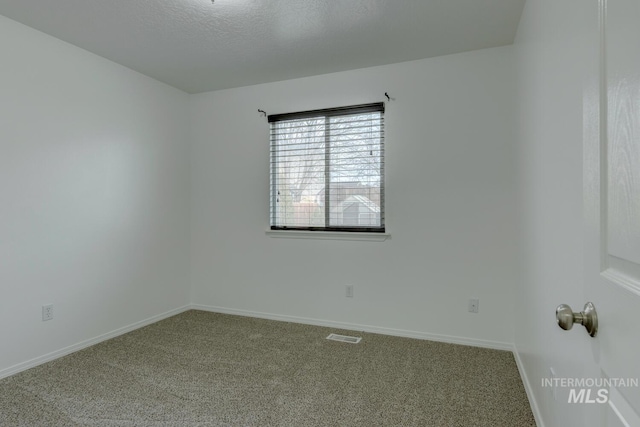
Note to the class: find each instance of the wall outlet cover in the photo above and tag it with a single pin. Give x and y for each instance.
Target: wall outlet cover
(474, 305)
(349, 291)
(47, 312)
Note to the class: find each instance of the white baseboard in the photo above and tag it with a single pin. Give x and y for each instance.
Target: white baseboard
(497, 345)
(527, 387)
(12, 370)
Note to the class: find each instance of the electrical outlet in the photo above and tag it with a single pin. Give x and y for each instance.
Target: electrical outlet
(474, 305)
(47, 312)
(349, 291)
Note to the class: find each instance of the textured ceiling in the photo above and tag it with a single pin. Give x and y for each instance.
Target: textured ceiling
(197, 45)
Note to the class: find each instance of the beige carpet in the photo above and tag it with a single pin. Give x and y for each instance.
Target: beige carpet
(206, 369)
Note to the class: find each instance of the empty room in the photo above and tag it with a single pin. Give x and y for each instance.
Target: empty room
(320, 213)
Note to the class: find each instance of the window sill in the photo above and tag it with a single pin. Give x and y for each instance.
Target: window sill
(328, 235)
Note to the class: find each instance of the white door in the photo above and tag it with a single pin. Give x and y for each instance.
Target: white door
(612, 208)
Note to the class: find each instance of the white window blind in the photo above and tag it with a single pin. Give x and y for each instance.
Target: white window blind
(327, 169)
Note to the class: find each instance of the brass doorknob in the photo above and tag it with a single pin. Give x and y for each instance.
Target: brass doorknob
(588, 318)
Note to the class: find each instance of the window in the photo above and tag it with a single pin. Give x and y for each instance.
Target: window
(327, 169)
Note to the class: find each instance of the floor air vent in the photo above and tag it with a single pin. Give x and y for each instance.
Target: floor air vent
(344, 338)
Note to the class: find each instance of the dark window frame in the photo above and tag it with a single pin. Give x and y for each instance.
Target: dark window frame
(327, 114)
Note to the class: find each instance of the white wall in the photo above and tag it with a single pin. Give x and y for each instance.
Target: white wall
(94, 195)
(450, 203)
(552, 55)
